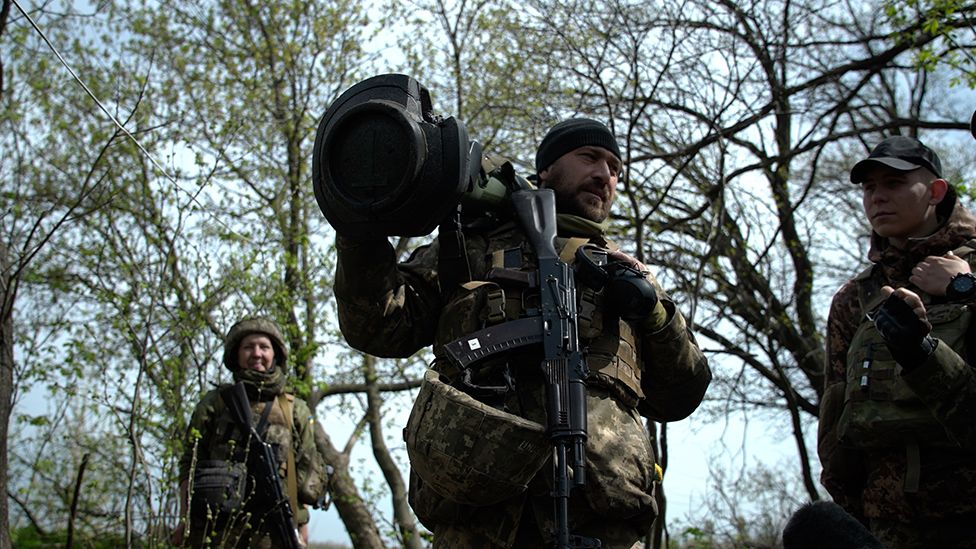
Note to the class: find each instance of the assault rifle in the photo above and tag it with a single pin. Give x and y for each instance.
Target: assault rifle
(263, 468)
(563, 365)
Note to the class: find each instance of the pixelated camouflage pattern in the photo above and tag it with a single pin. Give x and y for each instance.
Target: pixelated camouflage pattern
(870, 483)
(468, 451)
(616, 507)
(394, 310)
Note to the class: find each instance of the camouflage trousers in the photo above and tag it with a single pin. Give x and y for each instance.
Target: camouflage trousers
(955, 533)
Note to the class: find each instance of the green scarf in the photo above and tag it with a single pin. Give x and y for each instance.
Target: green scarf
(574, 225)
(261, 386)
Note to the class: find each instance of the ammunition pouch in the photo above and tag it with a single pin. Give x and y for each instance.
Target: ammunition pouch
(219, 488)
(880, 410)
(467, 451)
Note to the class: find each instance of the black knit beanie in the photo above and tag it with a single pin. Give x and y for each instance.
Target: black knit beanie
(572, 134)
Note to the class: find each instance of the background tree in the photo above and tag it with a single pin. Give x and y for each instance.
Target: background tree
(123, 266)
(58, 169)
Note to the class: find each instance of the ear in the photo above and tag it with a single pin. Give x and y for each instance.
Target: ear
(938, 191)
(543, 175)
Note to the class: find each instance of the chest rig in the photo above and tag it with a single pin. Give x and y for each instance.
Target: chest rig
(488, 280)
(880, 409)
(276, 426)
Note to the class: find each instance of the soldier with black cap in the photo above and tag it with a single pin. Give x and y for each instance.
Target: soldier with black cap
(897, 432)
(475, 438)
(218, 502)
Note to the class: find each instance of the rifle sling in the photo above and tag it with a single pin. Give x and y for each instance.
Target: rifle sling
(263, 422)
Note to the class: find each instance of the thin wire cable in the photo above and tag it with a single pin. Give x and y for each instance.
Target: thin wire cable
(115, 120)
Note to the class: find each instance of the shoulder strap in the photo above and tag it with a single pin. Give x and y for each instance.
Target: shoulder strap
(263, 422)
(291, 473)
(568, 252)
(966, 251)
(868, 289)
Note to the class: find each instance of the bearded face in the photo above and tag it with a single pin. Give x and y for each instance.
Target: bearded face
(584, 181)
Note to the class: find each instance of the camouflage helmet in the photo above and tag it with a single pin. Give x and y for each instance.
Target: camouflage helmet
(467, 451)
(254, 325)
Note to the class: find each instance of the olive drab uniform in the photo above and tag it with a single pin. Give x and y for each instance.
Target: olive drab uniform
(476, 439)
(215, 455)
(899, 449)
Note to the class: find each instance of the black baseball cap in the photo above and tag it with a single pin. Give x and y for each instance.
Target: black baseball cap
(900, 153)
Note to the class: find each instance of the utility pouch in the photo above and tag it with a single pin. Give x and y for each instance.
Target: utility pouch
(219, 488)
(880, 409)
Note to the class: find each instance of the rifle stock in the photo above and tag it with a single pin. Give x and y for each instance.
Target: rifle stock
(564, 365)
(263, 468)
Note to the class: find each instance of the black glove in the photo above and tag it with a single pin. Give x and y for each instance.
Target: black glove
(906, 335)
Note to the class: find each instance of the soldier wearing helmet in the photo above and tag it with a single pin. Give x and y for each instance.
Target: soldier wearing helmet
(475, 439)
(214, 479)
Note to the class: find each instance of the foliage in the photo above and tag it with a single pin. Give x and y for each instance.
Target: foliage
(748, 508)
(30, 538)
(738, 121)
(946, 19)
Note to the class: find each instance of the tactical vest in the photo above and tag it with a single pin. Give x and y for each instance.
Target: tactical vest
(503, 266)
(228, 439)
(880, 409)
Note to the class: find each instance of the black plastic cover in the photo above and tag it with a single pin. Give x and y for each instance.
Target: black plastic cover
(384, 165)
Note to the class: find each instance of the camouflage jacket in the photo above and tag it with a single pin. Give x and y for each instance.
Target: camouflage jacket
(393, 310)
(213, 435)
(870, 483)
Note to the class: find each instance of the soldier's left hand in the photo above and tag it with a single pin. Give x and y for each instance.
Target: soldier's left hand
(630, 261)
(912, 304)
(932, 274)
(902, 322)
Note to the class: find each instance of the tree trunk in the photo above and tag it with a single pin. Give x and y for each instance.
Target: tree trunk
(7, 295)
(402, 514)
(352, 510)
(660, 445)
